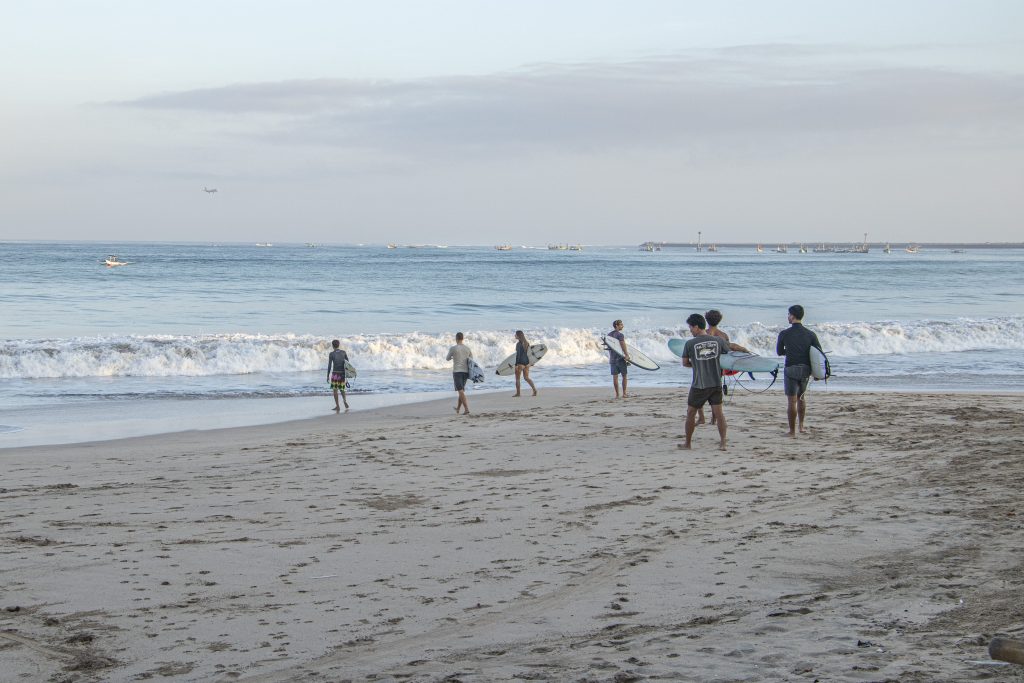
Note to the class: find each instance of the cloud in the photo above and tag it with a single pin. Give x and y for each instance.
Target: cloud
(766, 95)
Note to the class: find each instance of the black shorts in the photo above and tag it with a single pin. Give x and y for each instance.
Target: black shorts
(460, 380)
(795, 379)
(619, 367)
(698, 397)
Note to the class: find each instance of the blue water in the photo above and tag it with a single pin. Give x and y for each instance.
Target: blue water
(191, 324)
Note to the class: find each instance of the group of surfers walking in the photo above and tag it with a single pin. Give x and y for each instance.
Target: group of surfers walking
(702, 354)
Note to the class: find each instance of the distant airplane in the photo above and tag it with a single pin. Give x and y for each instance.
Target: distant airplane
(209, 191)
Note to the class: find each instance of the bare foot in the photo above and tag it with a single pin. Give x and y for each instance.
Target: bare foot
(684, 446)
(721, 446)
(456, 410)
(803, 431)
(791, 435)
(336, 409)
(534, 392)
(514, 395)
(700, 422)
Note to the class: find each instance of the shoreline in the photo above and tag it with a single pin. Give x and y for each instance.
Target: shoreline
(164, 416)
(555, 538)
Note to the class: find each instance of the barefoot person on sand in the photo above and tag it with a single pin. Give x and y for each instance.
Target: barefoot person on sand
(459, 355)
(523, 362)
(714, 317)
(702, 353)
(619, 362)
(795, 344)
(336, 360)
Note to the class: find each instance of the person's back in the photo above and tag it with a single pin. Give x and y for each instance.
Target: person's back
(795, 344)
(704, 352)
(460, 354)
(336, 361)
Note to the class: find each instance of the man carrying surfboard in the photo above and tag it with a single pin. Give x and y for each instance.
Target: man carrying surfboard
(619, 362)
(795, 344)
(701, 353)
(336, 360)
(459, 355)
(714, 317)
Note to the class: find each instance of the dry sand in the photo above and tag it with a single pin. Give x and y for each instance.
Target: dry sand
(557, 538)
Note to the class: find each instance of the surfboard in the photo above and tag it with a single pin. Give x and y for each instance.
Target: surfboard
(350, 371)
(819, 364)
(534, 353)
(476, 373)
(637, 358)
(735, 361)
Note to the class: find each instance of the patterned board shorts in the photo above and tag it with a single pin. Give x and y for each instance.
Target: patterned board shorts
(338, 381)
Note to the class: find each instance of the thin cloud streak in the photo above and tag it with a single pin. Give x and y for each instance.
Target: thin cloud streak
(764, 93)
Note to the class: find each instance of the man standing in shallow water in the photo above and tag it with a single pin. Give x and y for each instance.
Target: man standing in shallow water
(702, 353)
(795, 344)
(336, 374)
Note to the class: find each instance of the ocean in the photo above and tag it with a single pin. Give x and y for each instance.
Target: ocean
(196, 336)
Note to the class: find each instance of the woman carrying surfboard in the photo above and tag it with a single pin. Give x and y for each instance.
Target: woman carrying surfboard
(523, 362)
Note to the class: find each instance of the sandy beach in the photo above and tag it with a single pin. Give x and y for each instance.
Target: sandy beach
(557, 538)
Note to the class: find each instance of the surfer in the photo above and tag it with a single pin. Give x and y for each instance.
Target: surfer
(523, 362)
(619, 362)
(795, 344)
(714, 317)
(336, 360)
(702, 353)
(459, 355)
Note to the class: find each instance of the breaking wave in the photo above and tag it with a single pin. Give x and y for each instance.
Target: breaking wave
(240, 354)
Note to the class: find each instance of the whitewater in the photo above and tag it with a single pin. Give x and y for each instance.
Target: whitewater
(193, 331)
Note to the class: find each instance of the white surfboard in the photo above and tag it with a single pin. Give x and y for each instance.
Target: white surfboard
(350, 371)
(737, 361)
(476, 373)
(534, 353)
(637, 358)
(819, 364)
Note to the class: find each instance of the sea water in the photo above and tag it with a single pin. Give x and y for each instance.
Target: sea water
(205, 335)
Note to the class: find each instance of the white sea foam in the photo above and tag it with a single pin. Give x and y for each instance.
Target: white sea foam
(239, 354)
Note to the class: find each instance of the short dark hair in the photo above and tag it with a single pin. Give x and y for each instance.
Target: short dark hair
(697, 320)
(616, 322)
(714, 317)
(335, 343)
(458, 336)
(797, 311)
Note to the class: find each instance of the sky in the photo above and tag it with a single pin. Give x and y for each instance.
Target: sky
(526, 122)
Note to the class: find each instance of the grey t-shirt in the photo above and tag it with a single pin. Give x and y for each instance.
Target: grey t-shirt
(460, 355)
(704, 352)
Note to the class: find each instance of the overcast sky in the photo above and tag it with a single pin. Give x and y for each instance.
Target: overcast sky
(493, 121)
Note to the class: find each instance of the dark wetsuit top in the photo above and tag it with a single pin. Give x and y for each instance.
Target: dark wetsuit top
(336, 362)
(795, 343)
(522, 357)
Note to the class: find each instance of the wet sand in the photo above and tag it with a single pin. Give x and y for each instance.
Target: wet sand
(560, 538)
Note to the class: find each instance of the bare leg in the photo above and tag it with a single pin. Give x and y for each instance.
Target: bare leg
(718, 417)
(691, 424)
(791, 410)
(700, 416)
(615, 383)
(801, 410)
(526, 376)
(463, 402)
(519, 372)
(625, 394)
(337, 406)
(344, 399)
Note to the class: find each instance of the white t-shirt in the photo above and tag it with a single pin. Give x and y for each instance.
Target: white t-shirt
(460, 355)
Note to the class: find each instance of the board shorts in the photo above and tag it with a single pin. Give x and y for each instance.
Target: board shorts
(698, 397)
(460, 379)
(619, 366)
(338, 381)
(795, 379)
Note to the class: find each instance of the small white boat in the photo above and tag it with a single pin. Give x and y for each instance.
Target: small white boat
(264, 244)
(112, 261)
(504, 247)
(912, 249)
(760, 249)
